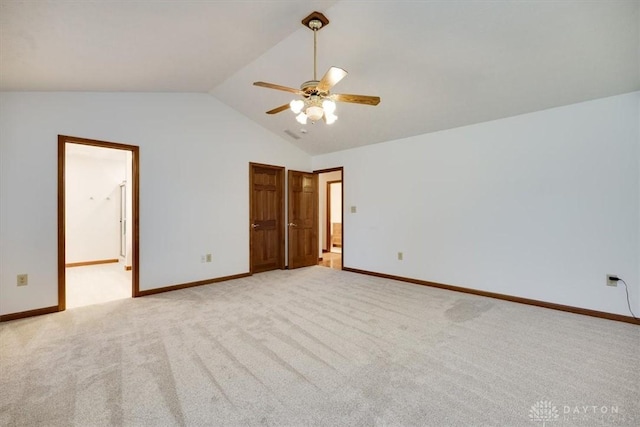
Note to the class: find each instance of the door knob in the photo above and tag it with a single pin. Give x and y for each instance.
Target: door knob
(254, 225)
(291, 224)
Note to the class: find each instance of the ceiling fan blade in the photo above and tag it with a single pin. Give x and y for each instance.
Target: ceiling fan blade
(278, 87)
(331, 78)
(278, 109)
(356, 99)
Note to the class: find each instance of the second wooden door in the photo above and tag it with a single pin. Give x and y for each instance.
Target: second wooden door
(303, 219)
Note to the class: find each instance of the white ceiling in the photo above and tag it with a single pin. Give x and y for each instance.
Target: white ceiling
(435, 64)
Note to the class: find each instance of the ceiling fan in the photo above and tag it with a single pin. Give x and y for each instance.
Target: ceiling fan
(316, 101)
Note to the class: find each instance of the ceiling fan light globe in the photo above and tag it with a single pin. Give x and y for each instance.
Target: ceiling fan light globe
(330, 118)
(315, 113)
(296, 105)
(302, 118)
(328, 106)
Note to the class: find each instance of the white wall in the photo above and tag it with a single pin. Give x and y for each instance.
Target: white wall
(93, 204)
(194, 183)
(336, 202)
(540, 206)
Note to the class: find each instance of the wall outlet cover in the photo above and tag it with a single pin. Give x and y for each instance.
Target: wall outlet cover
(23, 279)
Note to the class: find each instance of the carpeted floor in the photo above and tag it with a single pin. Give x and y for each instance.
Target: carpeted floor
(318, 346)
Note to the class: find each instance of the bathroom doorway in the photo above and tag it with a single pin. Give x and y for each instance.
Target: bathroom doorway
(97, 222)
(331, 227)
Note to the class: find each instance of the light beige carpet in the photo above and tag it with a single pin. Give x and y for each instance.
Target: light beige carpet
(317, 346)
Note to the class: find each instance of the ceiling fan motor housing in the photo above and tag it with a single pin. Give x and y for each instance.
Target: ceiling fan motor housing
(310, 88)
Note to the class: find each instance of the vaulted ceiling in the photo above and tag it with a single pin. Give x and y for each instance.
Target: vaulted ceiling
(435, 64)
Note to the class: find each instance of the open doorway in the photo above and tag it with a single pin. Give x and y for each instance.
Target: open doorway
(97, 222)
(330, 200)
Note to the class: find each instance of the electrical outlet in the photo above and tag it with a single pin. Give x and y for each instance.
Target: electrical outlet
(23, 279)
(400, 256)
(610, 282)
(208, 257)
(353, 209)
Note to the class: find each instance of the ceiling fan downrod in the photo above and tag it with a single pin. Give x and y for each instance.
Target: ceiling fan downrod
(315, 25)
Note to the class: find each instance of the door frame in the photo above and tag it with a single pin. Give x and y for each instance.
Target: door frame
(135, 200)
(281, 218)
(341, 170)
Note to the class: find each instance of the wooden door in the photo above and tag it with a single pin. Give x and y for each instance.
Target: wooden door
(303, 219)
(266, 217)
